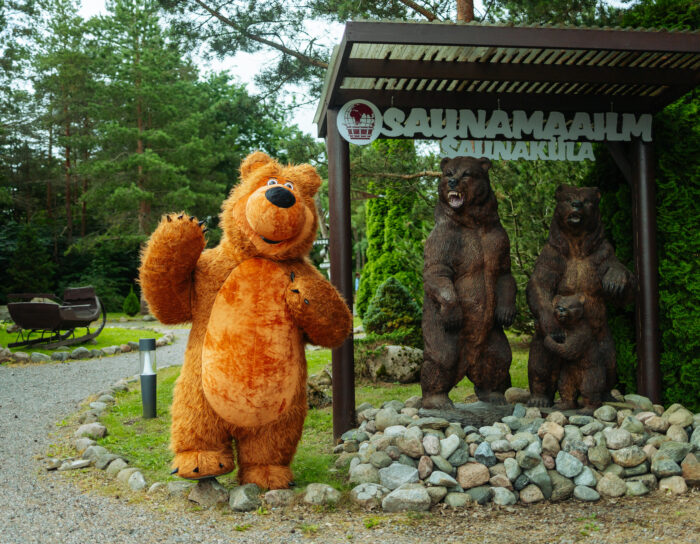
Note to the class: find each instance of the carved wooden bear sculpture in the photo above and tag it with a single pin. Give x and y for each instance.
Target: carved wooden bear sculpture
(469, 289)
(253, 300)
(582, 363)
(577, 259)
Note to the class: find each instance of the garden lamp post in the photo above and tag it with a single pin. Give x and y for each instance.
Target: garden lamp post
(147, 355)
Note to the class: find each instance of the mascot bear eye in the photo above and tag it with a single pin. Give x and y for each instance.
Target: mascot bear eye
(272, 181)
(290, 185)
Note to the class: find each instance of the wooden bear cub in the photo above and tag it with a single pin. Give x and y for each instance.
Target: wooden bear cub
(582, 368)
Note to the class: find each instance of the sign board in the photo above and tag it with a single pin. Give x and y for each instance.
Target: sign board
(494, 134)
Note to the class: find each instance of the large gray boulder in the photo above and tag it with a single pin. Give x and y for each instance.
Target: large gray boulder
(395, 364)
(408, 497)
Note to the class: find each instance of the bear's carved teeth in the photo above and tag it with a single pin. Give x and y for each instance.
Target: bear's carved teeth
(266, 240)
(455, 199)
(574, 218)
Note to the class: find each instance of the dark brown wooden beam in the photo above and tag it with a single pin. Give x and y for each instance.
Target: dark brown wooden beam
(340, 246)
(621, 157)
(492, 101)
(647, 266)
(413, 69)
(516, 37)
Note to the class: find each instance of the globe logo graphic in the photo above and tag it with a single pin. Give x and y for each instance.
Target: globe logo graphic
(359, 121)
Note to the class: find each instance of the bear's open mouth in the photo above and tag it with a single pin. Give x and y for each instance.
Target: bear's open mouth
(574, 218)
(455, 199)
(267, 240)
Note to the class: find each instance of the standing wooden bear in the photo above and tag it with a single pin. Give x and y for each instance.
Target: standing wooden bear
(253, 300)
(469, 289)
(574, 276)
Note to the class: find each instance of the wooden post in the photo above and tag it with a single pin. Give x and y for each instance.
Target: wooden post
(647, 266)
(340, 242)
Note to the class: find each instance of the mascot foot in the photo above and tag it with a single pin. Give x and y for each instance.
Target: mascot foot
(196, 465)
(539, 401)
(438, 401)
(266, 476)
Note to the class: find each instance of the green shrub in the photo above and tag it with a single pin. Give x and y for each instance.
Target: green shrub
(131, 305)
(397, 225)
(393, 311)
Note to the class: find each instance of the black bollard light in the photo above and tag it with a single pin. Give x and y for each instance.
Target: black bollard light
(147, 355)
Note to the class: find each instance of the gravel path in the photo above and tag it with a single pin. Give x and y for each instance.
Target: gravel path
(38, 507)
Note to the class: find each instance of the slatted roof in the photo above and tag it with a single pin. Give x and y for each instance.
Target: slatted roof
(447, 65)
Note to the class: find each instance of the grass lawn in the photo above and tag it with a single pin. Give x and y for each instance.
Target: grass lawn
(110, 336)
(145, 442)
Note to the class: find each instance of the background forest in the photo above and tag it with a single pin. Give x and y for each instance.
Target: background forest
(108, 122)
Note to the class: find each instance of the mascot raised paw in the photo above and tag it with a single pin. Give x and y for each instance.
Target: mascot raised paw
(254, 301)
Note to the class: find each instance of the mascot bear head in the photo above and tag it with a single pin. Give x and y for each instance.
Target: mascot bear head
(271, 213)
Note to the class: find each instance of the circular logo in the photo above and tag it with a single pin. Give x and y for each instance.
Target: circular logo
(359, 122)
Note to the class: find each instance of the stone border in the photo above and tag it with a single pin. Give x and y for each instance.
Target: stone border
(207, 492)
(80, 352)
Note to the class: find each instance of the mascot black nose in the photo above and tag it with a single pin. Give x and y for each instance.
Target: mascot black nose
(280, 197)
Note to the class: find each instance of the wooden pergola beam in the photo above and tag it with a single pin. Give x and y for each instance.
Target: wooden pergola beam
(418, 69)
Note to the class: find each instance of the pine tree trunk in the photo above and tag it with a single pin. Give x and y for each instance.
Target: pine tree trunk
(144, 205)
(83, 206)
(49, 187)
(69, 216)
(465, 10)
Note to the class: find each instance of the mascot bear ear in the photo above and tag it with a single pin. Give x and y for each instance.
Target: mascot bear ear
(308, 178)
(254, 161)
(485, 164)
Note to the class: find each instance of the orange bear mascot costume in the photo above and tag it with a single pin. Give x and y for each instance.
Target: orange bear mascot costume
(254, 300)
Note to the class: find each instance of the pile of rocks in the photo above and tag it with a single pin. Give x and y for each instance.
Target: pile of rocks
(399, 460)
(63, 354)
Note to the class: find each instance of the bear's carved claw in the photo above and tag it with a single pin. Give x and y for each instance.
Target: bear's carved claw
(539, 401)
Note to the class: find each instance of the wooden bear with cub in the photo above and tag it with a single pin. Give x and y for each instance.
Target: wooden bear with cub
(469, 288)
(576, 261)
(254, 301)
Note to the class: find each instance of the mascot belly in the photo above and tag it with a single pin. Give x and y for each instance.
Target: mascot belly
(253, 360)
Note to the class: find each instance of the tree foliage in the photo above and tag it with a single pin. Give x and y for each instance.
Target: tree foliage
(30, 269)
(399, 217)
(107, 124)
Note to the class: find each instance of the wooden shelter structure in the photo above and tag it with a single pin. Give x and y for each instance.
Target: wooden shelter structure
(508, 68)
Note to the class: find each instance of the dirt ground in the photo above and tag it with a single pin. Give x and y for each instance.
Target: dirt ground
(657, 517)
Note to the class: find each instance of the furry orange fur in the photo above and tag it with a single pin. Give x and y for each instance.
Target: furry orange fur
(253, 301)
